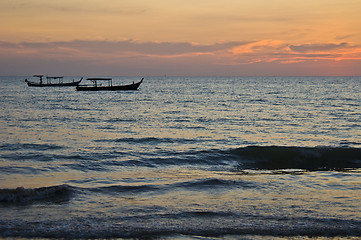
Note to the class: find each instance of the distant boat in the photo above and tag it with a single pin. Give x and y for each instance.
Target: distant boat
(52, 82)
(108, 85)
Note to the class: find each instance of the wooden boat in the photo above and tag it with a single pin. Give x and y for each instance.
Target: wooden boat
(50, 82)
(108, 86)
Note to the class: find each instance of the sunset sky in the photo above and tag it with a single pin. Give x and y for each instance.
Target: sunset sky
(180, 37)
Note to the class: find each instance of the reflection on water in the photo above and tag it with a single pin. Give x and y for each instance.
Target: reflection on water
(182, 157)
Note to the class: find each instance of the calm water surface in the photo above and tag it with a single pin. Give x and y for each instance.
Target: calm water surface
(183, 158)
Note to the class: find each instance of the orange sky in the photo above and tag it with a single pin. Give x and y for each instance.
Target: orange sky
(180, 37)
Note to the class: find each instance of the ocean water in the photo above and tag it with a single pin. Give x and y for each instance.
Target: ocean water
(183, 158)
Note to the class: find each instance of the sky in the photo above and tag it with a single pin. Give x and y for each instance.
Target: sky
(180, 37)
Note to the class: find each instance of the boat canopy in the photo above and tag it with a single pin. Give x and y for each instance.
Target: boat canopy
(94, 80)
(48, 79)
(38, 75)
(99, 79)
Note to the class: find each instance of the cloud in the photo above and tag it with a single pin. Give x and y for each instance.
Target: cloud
(131, 57)
(282, 52)
(261, 46)
(153, 48)
(304, 48)
(119, 48)
(74, 7)
(251, 51)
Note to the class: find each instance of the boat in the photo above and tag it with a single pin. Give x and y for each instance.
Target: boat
(107, 86)
(52, 82)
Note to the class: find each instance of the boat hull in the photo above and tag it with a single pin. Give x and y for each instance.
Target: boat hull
(128, 87)
(69, 84)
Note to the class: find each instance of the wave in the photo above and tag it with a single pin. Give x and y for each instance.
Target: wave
(29, 146)
(283, 158)
(306, 158)
(187, 224)
(264, 158)
(148, 140)
(116, 189)
(244, 158)
(24, 196)
(209, 184)
(213, 183)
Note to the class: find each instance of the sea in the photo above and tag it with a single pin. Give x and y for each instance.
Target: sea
(182, 158)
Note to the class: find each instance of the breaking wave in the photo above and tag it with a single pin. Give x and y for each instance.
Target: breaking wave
(306, 158)
(21, 195)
